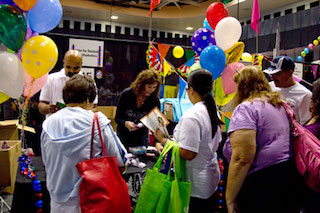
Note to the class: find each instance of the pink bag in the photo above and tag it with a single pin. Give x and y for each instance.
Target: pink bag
(306, 148)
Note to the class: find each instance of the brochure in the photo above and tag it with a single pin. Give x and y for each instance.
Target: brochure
(156, 120)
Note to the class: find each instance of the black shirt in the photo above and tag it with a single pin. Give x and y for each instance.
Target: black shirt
(127, 111)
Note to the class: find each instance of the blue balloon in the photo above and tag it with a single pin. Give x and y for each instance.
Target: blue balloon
(299, 58)
(202, 38)
(213, 59)
(306, 50)
(207, 25)
(45, 15)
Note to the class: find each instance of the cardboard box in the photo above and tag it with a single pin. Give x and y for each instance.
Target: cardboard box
(9, 129)
(9, 164)
(168, 110)
(110, 112)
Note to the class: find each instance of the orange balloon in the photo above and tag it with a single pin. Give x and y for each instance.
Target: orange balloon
(25, 5)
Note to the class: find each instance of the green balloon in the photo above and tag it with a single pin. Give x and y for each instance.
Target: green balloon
(303, 53)
(13, 27)
(318, 38)
(226, 1)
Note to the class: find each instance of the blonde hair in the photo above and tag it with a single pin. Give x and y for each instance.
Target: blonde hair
(251, 84)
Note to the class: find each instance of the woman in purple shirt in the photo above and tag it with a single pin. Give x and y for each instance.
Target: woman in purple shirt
(262, 176)
(314, 124)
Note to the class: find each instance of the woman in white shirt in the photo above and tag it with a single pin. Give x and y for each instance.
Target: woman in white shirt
(199, 134)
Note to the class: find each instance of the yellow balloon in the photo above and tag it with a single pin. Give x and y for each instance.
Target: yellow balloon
(39, 56)
(246, 57)
(178, 52)
(315, 42)
(3, 97)
(220, 97)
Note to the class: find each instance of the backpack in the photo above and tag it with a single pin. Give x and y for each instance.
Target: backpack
(306, 148)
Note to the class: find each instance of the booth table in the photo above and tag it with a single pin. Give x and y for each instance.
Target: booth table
(24, 198)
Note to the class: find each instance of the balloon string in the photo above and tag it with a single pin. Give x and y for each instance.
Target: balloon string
(25, 110)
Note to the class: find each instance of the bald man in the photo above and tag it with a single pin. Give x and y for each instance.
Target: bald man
(51, 93)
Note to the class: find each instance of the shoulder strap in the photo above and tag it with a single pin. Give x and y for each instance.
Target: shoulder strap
(289, 111)
(95, 119)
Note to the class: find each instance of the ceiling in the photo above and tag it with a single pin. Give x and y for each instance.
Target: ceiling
(169, 17)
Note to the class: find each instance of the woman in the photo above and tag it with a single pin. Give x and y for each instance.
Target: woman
(262, 175)
(65, 141)
(314, 124)
(134, 103)
(198, 134)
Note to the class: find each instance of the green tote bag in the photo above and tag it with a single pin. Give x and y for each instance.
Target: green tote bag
(163, 193)
(153, 185)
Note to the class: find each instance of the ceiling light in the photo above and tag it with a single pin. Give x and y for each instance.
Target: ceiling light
(114, 17)
(189, 28)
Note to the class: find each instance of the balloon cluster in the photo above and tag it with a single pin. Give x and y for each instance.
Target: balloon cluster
(219, 33)
(25, 56)
(308, 49)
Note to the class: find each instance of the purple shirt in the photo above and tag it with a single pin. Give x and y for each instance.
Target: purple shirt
(314, 129)
(273, 132)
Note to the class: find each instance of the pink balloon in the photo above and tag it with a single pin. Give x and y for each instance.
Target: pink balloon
(310, 46)
(228, 85)
(35, 87)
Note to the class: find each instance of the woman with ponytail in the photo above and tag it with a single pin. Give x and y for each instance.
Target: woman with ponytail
(199, 134)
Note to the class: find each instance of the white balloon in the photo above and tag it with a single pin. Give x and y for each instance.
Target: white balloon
(228, 32)
(12, 75)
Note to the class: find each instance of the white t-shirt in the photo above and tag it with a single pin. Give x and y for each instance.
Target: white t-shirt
(193, 133)
(299, 98)
(52, 90)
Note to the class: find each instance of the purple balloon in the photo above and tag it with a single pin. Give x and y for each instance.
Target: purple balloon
(202, 38)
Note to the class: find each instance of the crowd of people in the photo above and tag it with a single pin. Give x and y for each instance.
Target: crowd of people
(262, 176)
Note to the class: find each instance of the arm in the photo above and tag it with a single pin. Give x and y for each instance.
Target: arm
(46, 108)
(243, 144)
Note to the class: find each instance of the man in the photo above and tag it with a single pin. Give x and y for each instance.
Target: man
(296, 95)
(51, 93)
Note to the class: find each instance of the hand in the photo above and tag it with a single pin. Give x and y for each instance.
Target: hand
(159, 147)
(130, 126)
(232, 207)
(159, 136)
(53, 108)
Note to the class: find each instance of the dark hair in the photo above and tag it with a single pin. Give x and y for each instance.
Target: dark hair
(146, 77)
(201, 81)
(78, 89)
(315, 106)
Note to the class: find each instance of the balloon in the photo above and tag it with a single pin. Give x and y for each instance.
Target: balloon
(3, 97)
(45, 15)
(299, 58)
(202, 38)
(315, 42)
(207, 25)
(228, 32)
(39, 55)
(195, 66)
(229, 86)
(226, 1)
(35, 85)
(310, 46)
(246, 57)
(12, 75)
(178, 52)
(215, 12)
(25, 4)
(303, 53)
(219, 96)
(213, 59)
(13, 27)
(29, 35)
(318, 38)
(9, 2)
(306, 50)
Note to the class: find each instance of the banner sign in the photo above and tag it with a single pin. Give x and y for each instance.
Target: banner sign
(91, 50)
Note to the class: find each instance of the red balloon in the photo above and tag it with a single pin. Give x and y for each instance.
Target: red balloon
(215, 12)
